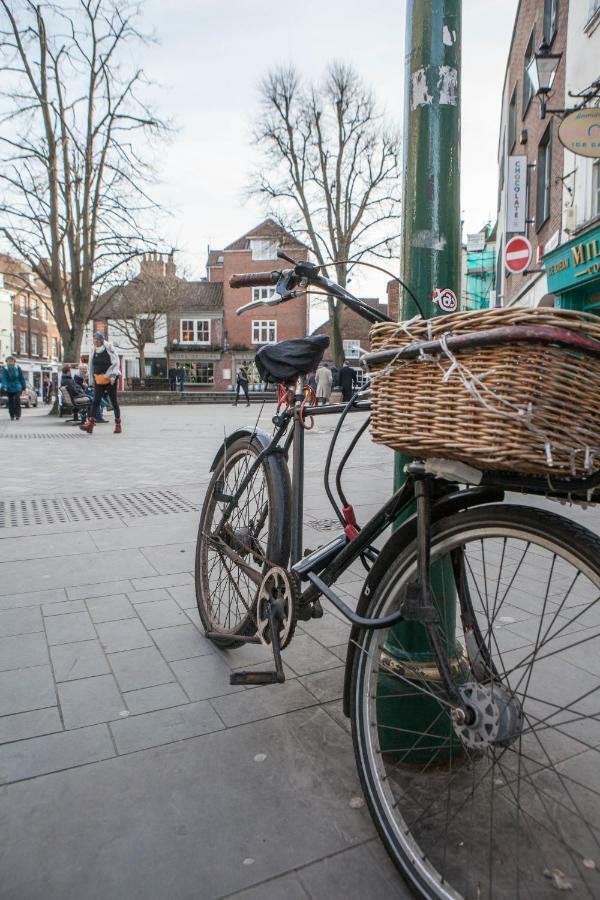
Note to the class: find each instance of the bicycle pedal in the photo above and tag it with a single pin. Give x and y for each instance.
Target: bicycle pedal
(256, 678)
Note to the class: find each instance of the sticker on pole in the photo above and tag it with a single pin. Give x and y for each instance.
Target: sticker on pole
(517, 254)
(445, 299)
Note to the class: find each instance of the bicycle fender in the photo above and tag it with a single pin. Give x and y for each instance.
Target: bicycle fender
(451, 503)
(261, 436)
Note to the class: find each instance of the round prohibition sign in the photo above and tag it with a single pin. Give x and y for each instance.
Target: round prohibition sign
(517, 254)
(445, 299)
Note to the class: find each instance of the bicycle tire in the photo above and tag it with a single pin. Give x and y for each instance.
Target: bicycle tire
(272, 548)
(408, 822)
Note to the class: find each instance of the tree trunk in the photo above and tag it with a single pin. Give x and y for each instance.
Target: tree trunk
(71, 342)
(142, 357)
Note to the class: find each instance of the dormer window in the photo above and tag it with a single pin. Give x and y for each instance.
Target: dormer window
(263, 249)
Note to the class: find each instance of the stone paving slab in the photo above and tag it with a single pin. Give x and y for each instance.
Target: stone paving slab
(191, 832)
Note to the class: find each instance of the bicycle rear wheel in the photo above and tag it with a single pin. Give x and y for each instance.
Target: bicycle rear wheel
(255, 528)
(509, 806)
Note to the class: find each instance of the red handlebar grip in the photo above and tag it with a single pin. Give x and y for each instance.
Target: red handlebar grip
(254, 279)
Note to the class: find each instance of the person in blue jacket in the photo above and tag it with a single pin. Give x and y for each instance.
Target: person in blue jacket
(13, 383)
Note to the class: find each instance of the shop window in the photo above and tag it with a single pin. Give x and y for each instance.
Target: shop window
(264, 331)
(527, 85)
(550, 20)
(199, 372)
(23, 343)
(544, 178)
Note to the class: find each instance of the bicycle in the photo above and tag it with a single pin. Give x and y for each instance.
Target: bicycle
(477, 754)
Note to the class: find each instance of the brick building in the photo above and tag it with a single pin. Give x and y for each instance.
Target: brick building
(524, 134)
(208, 337)
(35, 340)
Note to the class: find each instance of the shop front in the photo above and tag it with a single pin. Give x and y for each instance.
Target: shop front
(202, 368)
(573, 272)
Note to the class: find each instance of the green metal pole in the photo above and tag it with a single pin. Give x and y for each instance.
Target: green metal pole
(430, 261)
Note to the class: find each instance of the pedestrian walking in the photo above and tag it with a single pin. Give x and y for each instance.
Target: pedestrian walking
(181, 378)
(173, 378)
(241, 380)
(13, 384)
(324, 384)
(348, 381)
(46, 389)
(104, 364)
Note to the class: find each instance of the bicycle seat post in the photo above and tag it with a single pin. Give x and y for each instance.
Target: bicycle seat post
(297, 477)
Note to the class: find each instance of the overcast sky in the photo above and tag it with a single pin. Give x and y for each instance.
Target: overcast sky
(212, 54)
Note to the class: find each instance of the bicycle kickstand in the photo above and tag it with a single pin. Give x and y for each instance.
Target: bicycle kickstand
(278, 676)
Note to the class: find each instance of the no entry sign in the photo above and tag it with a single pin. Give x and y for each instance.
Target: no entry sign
(517, 254)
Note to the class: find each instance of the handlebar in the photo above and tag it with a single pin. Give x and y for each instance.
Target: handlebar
(301, 276)
(254, 279)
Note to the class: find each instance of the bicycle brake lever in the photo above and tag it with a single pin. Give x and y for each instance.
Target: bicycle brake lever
(272, 301)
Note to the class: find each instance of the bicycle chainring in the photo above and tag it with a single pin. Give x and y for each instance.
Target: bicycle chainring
(279, 587)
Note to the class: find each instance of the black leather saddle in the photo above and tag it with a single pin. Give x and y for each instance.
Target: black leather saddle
(287, 360)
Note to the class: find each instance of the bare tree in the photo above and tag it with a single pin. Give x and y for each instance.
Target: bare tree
(74, 126)
(332, 174)
(139, 310)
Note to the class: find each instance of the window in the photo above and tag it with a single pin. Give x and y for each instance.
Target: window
(544, 178)
(44, 312)
(199, 372)
(54, 348)
(263, 249)
(34, 309)
(34, 345)
(23, 305)
(195, 331)
(351, 349)
(262, 293)
(596, 188)
(512, 120)
(45, 346)
(527, 85)
(23, 343)
(264, 331)
(550, 20)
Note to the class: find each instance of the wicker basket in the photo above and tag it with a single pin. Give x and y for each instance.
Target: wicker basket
(528, 407)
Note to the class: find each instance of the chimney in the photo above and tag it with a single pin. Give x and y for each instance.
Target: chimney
(393, 298)
(170, 267)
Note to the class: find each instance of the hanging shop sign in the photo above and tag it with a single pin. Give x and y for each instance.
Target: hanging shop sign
(476, 242)
(516, 194)
(579, 132)
(575, 263)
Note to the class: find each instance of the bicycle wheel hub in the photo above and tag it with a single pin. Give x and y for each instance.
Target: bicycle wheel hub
(493, 716)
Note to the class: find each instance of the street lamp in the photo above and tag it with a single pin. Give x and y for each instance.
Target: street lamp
(542, 72)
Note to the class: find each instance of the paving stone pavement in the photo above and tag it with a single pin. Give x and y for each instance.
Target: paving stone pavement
(130, 766)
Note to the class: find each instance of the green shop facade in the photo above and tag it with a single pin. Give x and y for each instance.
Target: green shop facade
(573, 272)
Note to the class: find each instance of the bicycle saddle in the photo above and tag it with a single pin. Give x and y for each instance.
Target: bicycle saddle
(287, 360)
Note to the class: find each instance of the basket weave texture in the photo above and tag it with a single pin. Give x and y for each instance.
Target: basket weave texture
(532, 408)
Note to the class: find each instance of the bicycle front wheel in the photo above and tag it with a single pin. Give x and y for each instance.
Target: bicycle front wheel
(243, 532)
(505, 805)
